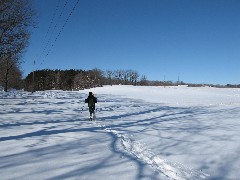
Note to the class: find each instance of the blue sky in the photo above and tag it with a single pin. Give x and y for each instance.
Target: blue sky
(199, 40)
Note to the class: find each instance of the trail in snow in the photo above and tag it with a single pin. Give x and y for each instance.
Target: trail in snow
(170, 169)
(201, 131)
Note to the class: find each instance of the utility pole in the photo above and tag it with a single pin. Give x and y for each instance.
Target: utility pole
(164, 81)
(178, 82)
(33, 88)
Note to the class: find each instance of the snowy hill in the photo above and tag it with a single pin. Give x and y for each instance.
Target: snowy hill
(139, 133)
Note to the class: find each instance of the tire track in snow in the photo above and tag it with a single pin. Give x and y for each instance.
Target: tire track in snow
(170, 169)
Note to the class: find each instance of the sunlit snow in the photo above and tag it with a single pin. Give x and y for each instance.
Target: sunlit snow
(139, 133)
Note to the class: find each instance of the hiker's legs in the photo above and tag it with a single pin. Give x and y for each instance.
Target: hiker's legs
(91, 110)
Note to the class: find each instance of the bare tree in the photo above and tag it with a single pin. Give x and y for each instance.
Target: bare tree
(98, 75)
(79, 81)
(143, 81)
(134, 75)
(119, 76)
(16, 16)
(127, 77)
(14, 76)
(109, 75)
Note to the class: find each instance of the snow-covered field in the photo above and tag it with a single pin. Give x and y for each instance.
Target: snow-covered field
(139, 133)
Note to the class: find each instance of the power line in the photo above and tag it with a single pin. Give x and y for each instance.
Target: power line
(70, 14)
(55, 12)
(49, 27)
(54, 28)
(60, 31)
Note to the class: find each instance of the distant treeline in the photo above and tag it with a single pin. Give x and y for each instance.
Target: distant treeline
(80, 79)
(72, 79)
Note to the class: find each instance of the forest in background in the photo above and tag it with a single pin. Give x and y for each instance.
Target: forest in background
(73, 80)
(80, 79)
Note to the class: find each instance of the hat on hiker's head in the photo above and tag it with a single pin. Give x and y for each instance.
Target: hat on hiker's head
(90, 93)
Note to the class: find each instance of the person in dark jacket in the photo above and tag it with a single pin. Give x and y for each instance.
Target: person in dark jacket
(91, 100)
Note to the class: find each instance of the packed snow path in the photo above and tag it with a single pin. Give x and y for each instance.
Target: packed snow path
(47, 135)
(169, 169)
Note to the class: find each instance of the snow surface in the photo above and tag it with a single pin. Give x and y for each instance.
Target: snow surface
(139, 133)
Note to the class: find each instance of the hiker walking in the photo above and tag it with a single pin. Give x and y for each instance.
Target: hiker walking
(91, 100)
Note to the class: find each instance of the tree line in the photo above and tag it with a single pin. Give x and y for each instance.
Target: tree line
(72, 80)
(80, 79)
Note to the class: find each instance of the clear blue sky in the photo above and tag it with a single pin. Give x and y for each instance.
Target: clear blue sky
(197, 39)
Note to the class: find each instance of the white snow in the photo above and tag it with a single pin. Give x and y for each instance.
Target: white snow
(139, 133)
